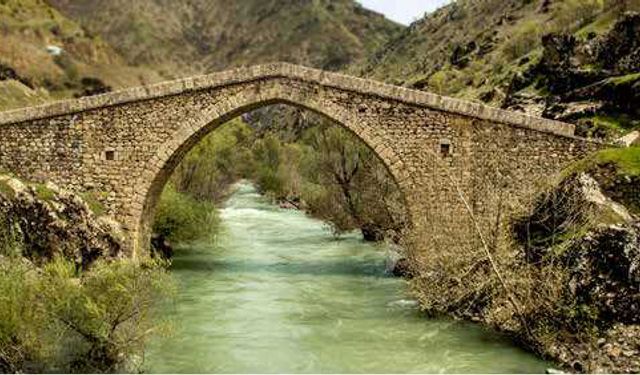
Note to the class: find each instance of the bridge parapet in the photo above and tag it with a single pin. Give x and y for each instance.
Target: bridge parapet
(301, 73)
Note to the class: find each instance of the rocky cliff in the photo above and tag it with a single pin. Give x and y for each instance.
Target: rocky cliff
(585, 233)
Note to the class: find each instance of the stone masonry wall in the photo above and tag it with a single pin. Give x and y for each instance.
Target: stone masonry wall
(125, 145)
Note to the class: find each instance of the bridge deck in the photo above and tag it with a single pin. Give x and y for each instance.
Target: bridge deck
(285, 70)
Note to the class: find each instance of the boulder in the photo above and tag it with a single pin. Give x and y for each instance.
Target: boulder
(605, 272)
(402, 268)
(620, 93)
(630, 139)
(571, 205)
(48, 222)
(595, 239)
(619, 50)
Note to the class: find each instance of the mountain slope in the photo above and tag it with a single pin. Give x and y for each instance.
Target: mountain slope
(192, 36)
(57, 49)
(44, 56)
(542, 57)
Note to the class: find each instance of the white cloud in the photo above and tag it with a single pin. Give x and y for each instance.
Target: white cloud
(403, 11)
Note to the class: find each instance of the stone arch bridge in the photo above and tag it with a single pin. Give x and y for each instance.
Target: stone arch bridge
(124, 145)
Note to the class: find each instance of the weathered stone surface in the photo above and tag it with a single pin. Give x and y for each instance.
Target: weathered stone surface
(51, 222)
(124, 145)
(630, 139)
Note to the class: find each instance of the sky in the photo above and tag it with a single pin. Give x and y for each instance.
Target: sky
(403, 11)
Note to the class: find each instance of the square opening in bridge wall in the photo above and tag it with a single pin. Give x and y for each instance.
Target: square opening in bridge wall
(110, 155)
(446, 149)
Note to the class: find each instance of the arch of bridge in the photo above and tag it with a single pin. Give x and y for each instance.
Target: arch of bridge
(190, 132)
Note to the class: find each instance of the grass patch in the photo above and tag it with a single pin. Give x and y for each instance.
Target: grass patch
(621, 122)
(14, 94)
(6, 190)
(609, 126)
(93, 200)
(626, 161)
(626, 79)
(44, 193)
(609, 217)
(600, 26)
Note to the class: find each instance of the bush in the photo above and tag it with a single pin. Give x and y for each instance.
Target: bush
(571, 15)
(21, 323)
(182, 218)
(447, 82)
(57, 320)
(10, 238)
(523, 41)
(277, 167)
(336, 176)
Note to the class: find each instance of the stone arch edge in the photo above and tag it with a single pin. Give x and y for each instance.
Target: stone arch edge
(189, 133)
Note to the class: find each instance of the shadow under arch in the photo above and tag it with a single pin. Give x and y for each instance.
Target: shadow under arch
(160, 167)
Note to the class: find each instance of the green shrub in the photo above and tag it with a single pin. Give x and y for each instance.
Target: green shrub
(277, 167)
(182, 218)
(9, 240)
(93, 200)
(447, 82)
(21, 318)
(6, 191)
(55, 319)
(44, 193)
(523, 41)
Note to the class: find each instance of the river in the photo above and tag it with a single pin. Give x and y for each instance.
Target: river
(277, 293)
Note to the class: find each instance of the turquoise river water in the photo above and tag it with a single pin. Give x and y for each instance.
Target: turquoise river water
(277, 293)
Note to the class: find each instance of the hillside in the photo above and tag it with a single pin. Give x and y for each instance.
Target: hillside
(572, 60)
(56, 49)
(45, 56)
(186, 37)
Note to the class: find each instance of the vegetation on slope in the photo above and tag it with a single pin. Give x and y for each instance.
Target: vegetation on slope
(54, 319)
(45, 56)
(573, 60)
(618, 173)
(186, 37)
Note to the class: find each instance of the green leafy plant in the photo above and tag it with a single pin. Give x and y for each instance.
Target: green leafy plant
(182, 218)
(57, 319)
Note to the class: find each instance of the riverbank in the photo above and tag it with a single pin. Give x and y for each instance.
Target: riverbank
(562, 278)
